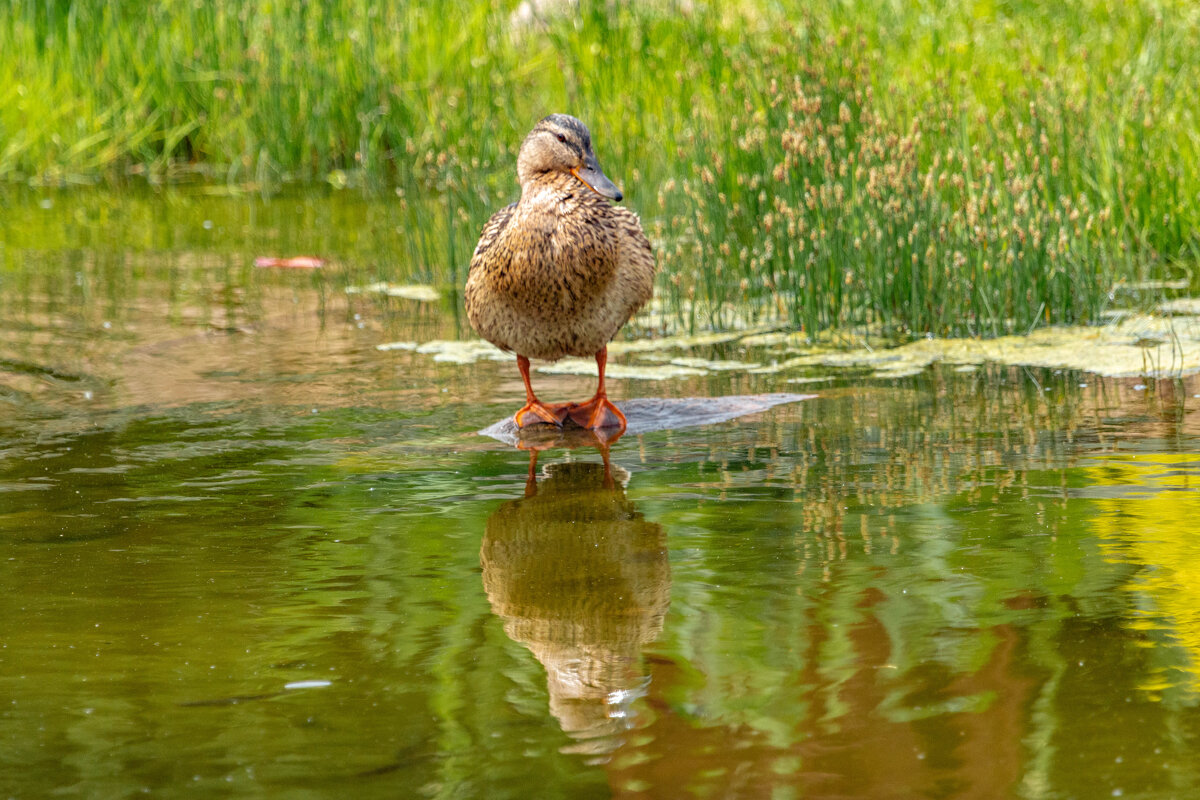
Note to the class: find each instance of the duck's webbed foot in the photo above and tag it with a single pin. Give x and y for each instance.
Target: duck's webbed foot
(535, 412)
(597, 413)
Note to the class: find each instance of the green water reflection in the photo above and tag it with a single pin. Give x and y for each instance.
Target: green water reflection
(245, 553)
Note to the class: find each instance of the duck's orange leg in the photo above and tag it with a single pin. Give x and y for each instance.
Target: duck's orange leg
(534, 410)
(599, 412)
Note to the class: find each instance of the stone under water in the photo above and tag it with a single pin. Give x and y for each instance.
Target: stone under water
(647, 414)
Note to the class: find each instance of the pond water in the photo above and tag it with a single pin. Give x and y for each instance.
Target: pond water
(246, 552)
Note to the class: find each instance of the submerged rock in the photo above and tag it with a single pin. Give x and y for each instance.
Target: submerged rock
(646, 414)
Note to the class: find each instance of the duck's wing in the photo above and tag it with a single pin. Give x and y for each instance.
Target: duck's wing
(632, 235)
(491, 232)
(636, 258)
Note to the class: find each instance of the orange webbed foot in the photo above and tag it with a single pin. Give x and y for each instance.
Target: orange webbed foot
(536, 412)
(597, 413)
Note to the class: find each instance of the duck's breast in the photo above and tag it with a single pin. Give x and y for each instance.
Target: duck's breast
(559, 281)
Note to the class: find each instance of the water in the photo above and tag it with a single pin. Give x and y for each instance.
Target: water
(245, 553)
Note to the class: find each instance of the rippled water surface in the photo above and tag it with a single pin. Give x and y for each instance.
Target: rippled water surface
(245, 552)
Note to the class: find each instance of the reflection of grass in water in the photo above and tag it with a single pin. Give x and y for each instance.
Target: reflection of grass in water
(970, 171)
(1151, 522)
(912, 523)
(806, 551)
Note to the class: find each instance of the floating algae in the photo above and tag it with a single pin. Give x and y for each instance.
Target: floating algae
(419, 292)
(463, 352)
(452, 351)
(789, 338)
(790, 363)
(864, 358)
(682, 342)
(899, 371)
(653, 357)
(1136, 345)
(587, 366)
(1185, 306)
(714, 366)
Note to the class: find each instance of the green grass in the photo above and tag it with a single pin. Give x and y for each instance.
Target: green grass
(943, 167)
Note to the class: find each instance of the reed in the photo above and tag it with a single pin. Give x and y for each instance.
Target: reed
(964, 169)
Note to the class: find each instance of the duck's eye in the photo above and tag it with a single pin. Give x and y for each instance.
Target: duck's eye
(561, 138)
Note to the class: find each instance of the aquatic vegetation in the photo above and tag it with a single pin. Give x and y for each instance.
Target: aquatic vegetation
(1181, 305)
(714, 365)
(419, 292)
(456, 351)
(979, 580)
(585, 366)
(1136, 345)
(966, 170)
(679, 341)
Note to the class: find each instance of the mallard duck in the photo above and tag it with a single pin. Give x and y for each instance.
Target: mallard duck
(558, 272)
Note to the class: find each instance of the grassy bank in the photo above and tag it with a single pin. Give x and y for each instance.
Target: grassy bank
(959, 168)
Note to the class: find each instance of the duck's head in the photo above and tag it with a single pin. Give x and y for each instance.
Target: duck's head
(562, 144)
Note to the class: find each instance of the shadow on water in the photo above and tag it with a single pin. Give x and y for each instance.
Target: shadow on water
(582, 580)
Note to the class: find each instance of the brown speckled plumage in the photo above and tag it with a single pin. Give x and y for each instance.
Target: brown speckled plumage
(561, 270)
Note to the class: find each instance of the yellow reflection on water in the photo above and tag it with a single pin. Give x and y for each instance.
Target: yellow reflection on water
(1150, 518)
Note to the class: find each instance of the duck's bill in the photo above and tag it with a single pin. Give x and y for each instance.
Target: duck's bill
(591, 176)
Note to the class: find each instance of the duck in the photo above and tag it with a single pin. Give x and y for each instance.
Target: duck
(561, 270)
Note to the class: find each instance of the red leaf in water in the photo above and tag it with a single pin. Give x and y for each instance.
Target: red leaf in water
(295, 262)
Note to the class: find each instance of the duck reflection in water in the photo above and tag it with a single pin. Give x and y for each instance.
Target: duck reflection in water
(582, 579)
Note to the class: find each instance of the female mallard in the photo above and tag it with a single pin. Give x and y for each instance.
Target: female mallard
(559, 271)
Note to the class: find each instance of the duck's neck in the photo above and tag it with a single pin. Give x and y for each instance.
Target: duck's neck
(553, 188)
